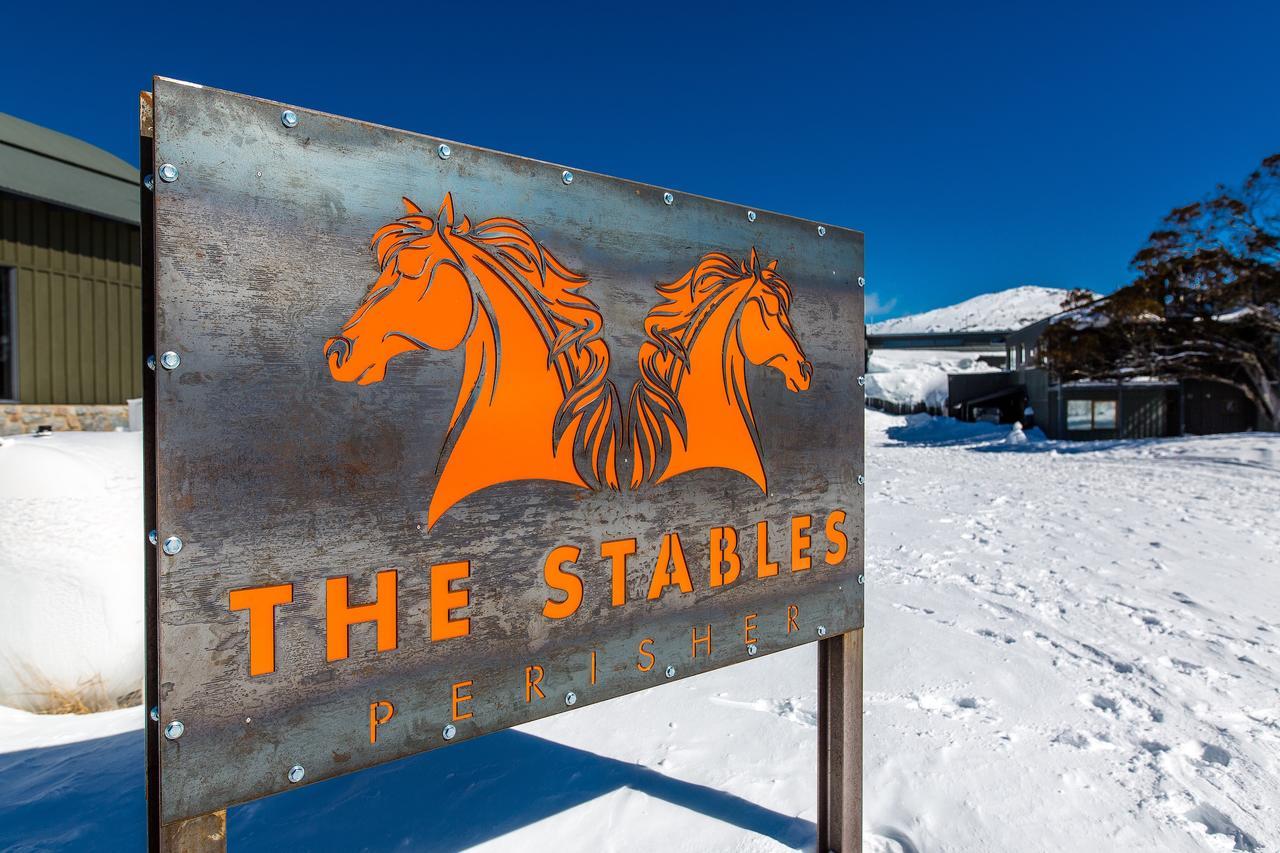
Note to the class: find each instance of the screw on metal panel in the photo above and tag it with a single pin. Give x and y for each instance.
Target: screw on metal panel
(862, 282)
(172, 545)
(751, 216)
(169, 360)
(571, 698)
(822, 630)
(154, 715)
(668, 198)
(751, 649)
(450, 731)
(861, 579)
(151, 362)
(671, 672)
(174, 730)
(149, 182)
(444, 151)
(862, 481)
(862, 380)
(296, 772)
(151, 537)
(566, 176)
(289, 118)
(168, 173)
(822, 230)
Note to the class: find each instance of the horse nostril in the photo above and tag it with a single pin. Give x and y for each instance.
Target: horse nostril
(339, 346)
(806, 369)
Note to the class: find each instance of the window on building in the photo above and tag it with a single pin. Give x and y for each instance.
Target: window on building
(1086, 415)
(8, 335)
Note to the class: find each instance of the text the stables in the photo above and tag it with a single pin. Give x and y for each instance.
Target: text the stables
(566, 570)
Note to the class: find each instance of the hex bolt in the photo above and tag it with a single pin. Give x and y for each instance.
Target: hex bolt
(671, 672)
(151, 362)
(296, 772)
(751, 216)
(862, 481)
(149, 181)
(571, 698)
(444, 151)
(822, 630)
(822, 230)
(862, 282)
(168, 173)
(172, 545)
(862, 380)
(151, 537)
(289, 118)
(174, 730)
(450, 731)
(751, 649)
(169, 360)
(154, 714)
(566, 176)
(668, 198)
(862, 579)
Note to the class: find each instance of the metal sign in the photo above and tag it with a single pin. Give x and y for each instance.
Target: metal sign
(447, 440)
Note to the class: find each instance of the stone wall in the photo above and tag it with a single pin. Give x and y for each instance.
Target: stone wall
(18, 418)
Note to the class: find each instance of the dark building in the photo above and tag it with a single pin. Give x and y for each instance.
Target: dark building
(1091, 410)
(70, 281)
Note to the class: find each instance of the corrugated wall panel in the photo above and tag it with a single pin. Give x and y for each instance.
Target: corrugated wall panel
(79, 301)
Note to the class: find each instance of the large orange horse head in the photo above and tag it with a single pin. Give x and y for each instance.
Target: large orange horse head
(534, 402)
(691, 408)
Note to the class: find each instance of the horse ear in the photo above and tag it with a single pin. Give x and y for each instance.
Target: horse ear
(446, 216)
(773, 265)
(409, 207)
(755, 260)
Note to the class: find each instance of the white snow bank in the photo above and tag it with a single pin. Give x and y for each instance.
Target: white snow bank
(71, 564)
(919, 376)
(1004, 310)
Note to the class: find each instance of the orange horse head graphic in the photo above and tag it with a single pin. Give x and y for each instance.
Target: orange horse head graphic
(534, 402)
(691, 409)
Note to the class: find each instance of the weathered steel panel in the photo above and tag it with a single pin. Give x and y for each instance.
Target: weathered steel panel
(472, 392)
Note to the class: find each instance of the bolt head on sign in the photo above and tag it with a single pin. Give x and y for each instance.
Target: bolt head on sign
(467, 440)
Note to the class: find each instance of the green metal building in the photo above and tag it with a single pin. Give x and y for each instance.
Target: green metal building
(70, 273)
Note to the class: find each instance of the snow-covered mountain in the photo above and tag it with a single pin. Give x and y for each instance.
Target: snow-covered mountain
(1000, 311)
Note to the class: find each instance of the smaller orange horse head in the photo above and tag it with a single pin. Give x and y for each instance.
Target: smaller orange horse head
(691, 408)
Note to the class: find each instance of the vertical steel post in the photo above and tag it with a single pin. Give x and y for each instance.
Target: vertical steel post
(206, 833)
(840, 743)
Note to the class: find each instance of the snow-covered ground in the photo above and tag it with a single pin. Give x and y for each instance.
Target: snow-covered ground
(1004, 310)
(1070, 647)
(919, 376)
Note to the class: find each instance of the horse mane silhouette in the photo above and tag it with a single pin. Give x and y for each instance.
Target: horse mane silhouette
(709, 301)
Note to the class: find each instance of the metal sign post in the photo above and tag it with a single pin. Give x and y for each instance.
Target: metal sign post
(442, 440)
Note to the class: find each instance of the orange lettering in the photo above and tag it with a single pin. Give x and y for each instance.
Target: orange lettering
(724, 543)
(764, 568)
(341, 614)
(617, 551)
(375, 721)
(749, 629)
(793, 615)
(458, 698)
(647, 641)
(670, 569)
(699, 640)
(445, 599)
(800, 542)
(567, 582)
(261, 602)
(531, 683)
(839, 540)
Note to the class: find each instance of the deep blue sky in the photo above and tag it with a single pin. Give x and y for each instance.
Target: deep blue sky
(978, 146)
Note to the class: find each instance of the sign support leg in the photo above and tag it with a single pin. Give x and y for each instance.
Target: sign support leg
(840, 743)
(206, 833)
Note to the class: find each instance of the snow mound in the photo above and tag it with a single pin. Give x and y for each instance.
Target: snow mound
(71, 566)
(1004, 310)
(918, 376)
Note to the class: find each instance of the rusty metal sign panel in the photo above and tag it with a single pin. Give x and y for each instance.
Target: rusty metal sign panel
(448, 440)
